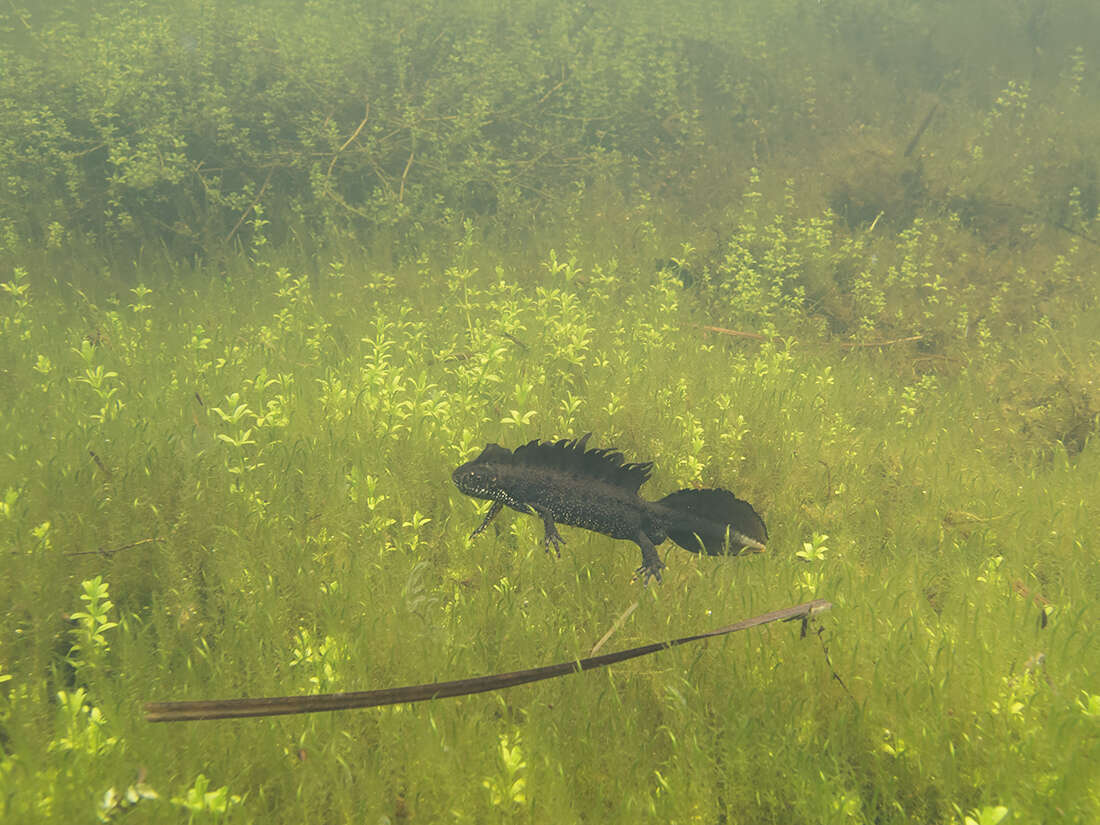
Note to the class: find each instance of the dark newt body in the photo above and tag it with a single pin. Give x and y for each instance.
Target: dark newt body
(564, 483)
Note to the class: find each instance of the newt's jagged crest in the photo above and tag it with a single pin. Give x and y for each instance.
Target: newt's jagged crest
(481, 477)
(597, 489)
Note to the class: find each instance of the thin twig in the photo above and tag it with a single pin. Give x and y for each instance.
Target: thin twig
(347, 143)
(341, 202)
(405, 174)
(849, 344)
(377, 171)
(557, 86)
(251, 206)
(113, 550)
(736, 333)
(920, 130)
(514, 340)
(775, 339)
(617, 624)
(95, 148)
(829, 662)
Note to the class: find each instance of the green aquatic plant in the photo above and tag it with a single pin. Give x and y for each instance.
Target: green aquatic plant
(507, 789)
(90, 646)
(197, 800)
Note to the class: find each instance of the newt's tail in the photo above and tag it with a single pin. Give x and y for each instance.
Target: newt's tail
(715, 521)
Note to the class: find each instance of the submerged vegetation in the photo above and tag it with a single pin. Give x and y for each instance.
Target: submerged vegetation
(246, 333)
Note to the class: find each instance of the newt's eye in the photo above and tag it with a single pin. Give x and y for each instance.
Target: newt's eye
(473, 479)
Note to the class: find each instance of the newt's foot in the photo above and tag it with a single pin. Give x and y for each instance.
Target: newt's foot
(553, 538)
(652, 570)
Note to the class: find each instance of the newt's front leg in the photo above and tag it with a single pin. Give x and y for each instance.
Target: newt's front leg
(496, 508)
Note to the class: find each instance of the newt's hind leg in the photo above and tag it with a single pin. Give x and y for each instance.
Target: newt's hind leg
(651, 562)
(552, 536)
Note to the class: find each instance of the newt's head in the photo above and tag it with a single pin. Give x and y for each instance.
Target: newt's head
(479, 478)
(479, 481)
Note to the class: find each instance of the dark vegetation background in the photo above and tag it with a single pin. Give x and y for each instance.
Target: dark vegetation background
(192, 134)
(157, 125)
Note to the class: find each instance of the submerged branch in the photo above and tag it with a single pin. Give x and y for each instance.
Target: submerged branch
(279, 706)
